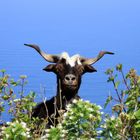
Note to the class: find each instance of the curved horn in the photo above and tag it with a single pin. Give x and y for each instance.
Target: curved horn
(90, 61)
(47, 57)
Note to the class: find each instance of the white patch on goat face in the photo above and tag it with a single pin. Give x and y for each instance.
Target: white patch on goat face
(75, 59)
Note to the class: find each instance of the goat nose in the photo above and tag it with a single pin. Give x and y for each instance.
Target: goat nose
(70, 78)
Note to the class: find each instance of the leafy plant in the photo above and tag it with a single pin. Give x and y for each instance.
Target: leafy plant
(126, 121)
(80, 121)
(16, 131)
(19, 109)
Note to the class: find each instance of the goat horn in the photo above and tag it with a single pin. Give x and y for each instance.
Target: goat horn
(91, 61)
(47, 57)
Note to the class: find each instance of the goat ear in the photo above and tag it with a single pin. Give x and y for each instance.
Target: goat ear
(89, 68)
(50, 68)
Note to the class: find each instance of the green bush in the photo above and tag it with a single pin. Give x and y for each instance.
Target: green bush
(125, 122)
(82, 120)
(16, 131)
(19, 109)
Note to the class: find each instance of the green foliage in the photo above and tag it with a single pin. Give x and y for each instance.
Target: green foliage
(54, 133)
(20, 109)
(108, 100)
(111, 128)
(16, 131)
(126, 120)
(82, 120)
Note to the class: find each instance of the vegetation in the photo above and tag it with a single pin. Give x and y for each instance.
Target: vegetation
(82, 120)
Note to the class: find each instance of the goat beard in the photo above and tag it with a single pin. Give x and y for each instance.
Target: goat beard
(69, 92)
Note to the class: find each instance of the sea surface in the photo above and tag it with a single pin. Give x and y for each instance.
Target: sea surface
(94, 87)
(83, 27)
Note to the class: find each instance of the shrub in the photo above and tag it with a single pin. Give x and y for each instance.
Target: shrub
(16, 131)
(80, 121)
(19, 109)
(125, 124)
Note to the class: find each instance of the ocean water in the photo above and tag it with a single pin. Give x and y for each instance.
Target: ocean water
(83, 27)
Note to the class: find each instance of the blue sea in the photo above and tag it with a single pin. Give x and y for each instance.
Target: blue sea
(83, 27)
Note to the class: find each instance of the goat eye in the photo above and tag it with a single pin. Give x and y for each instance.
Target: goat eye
(80, 69)
(59, 68)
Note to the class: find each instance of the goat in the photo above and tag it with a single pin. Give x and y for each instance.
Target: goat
(69, 71)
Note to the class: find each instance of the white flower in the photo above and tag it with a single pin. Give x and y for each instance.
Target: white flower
(81, 100)
(75, 101)
(63, 135)
(16, 100)
(99, 107)
(87, 101)
(52, 126)
(16, 121)
(99, 131)
(90, 116)
(23, 124)
(92, 139)
(90, 109)
(105, 119)
(13, 130)
(47, 135)
(27, 133)
(8, 123)
(13, 124)
(47, 130)
(70, 117)
(81, 114)
(3, 128)
(68, 107)
(112, 118)
(59, 126)
(23, 134)
(7, 136)
(44, 137)
(64, 131)
(28, 136)
(65, 115)
(102, 113)
(104, 126)
(70, 113)
(27, 129)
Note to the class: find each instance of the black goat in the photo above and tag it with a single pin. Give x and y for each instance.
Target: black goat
(69, 71)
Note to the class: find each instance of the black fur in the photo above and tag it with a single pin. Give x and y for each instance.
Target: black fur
(66, 91)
